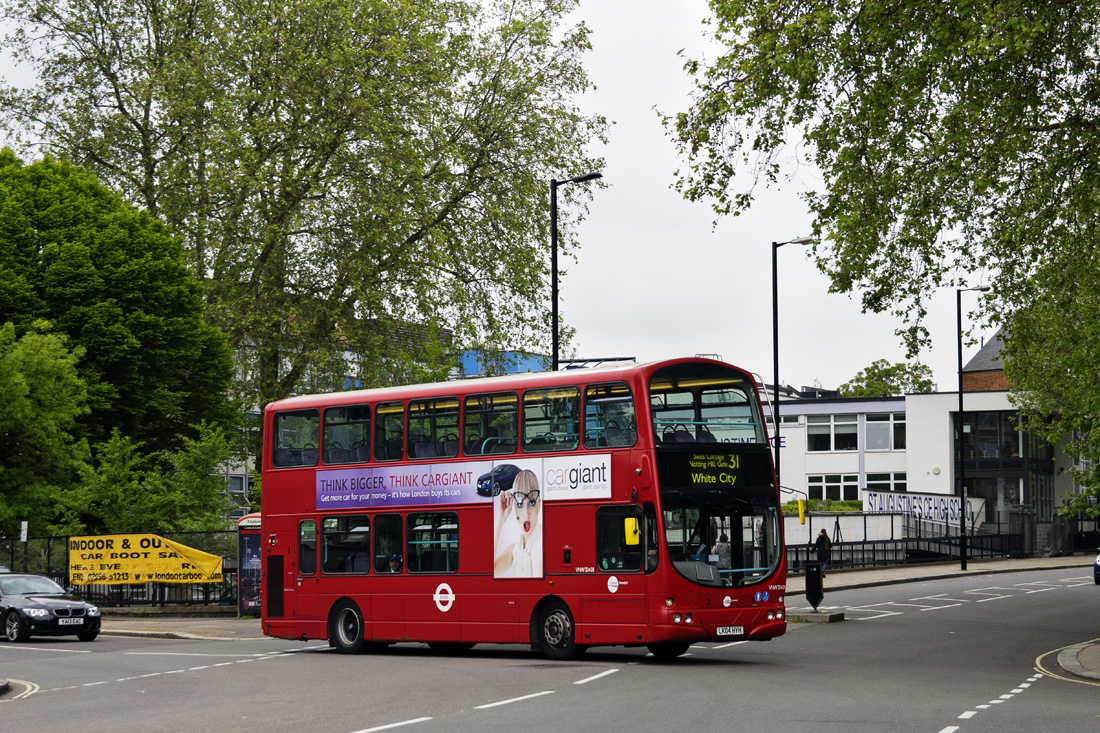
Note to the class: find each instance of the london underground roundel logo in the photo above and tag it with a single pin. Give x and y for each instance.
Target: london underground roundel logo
(444, 597)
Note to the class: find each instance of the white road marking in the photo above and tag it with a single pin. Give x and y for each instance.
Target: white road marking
(512, 700)
(586, 680)
(393, 725)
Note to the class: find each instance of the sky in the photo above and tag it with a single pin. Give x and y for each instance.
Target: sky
(655, 278)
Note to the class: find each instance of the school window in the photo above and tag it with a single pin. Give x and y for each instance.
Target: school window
(388, 543)
(307, 547)
(433, 543)
(551, 419)
(389, 431)
(490, 423)
(297, 435)
(886, 481)
(347, 435)
(433, 428)
(832, 433)
(619, 539)
(886, 431)
(833, 487)
(609, 416)
(345, 544)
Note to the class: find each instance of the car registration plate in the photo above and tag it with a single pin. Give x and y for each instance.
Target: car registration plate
(731, 630)
(70, 621)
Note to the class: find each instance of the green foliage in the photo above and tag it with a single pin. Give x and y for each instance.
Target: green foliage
(820, 505)
(953, 139)
(112, 280)
(883, 379)
(41, 397)
(366, 176)
(125, 489)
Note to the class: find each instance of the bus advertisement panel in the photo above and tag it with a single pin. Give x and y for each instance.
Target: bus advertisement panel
(634, 505)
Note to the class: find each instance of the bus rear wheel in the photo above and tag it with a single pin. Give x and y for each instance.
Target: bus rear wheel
(668, 649)
(556, 633)
(346, 627)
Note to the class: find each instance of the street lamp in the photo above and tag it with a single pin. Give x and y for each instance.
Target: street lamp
(960, 422)
(775, 341)
(554, 183)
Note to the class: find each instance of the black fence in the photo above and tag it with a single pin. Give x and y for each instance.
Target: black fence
(924, 541)
(49, 556)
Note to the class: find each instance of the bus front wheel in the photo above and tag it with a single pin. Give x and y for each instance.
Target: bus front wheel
(347, 628)
(557, 633)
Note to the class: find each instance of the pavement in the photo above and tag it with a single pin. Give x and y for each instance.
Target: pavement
(1080, 661)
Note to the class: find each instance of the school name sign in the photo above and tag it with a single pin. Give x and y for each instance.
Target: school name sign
(139, 558)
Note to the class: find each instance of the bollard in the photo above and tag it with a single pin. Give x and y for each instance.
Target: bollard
(815, 588)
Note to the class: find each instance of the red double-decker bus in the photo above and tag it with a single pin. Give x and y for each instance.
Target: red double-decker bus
(633, 505)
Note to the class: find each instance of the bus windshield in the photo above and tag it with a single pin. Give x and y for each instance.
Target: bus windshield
(704, 403)
(717, 538)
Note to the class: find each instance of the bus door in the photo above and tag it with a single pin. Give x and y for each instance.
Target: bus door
(620, 598)
(307, 598)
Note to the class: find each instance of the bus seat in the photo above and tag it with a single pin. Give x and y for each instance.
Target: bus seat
(473, 446)
(283, 457)
(615, 437)
(309, 457)
(357, 562)
(703, 435)
(449, 448)
(424, 450)
(340, 455)
(362, 453)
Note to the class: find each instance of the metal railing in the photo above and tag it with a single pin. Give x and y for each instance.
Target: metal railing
(921, 540)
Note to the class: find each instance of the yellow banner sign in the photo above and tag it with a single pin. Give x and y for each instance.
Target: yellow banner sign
(139, 558)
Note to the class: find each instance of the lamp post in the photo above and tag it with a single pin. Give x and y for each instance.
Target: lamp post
(960, 423)
(554, 183)
(775, 340)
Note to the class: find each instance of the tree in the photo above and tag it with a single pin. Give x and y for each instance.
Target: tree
(954, 140)
(41, 397)
(345, 173)
(126, 489)
(111, 279)
(883, 379)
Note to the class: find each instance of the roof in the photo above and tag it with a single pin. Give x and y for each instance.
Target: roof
(988, 359)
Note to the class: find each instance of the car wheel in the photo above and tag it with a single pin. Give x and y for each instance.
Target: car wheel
(87, 635)
(556, 633)
(668, 649)
(346, 628)
(14, 627)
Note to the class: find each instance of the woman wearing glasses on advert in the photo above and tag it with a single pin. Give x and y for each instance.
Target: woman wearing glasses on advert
(523, 557)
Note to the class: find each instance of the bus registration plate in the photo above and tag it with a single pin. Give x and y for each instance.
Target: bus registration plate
(731, 630)
(70, 621)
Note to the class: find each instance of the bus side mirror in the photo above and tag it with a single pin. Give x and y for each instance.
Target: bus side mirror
(630, 531)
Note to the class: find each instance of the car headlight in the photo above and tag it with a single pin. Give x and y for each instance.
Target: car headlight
(36, 612)
(93, 611)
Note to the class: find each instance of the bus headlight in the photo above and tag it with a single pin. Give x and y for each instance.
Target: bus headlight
(687, 618)
(676, 618)
(668, 602)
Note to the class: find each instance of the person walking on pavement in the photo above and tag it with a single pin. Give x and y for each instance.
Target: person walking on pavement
(824, 550)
